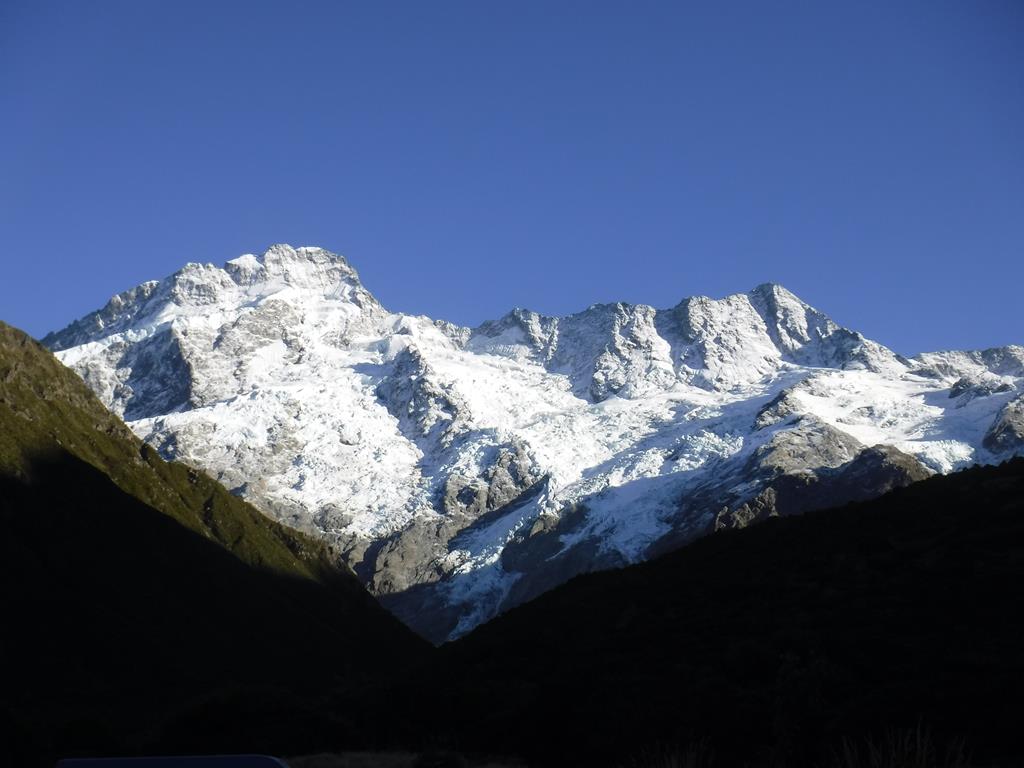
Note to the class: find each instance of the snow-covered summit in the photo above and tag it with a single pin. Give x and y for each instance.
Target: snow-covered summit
(461, 470)
(632, 350)
(282, 272)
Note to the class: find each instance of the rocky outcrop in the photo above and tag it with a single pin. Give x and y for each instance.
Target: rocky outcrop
(998, 361)
(811, 445)
(426, 550)
(782, 407)
(430, 410)
(1007, 431)
(872, 472)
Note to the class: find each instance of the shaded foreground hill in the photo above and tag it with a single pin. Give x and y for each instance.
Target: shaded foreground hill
(774, 643)
(135, 589)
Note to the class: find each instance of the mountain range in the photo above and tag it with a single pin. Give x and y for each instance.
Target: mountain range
(462, 471)
(149, 611)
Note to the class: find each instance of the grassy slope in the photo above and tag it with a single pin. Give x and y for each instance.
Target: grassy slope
(135, 590)
(45, 409)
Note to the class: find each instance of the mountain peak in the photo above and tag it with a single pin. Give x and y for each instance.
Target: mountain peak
(768, 287)
(282, 272)
(303, 267)
(777, 296)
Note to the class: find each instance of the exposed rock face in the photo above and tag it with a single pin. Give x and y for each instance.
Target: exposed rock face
(1006, 435)
(872, 472)
(606, 350)
(428, 408)
(420, 553)
(811, 445)
(998, 361)
(460, 471)
(783, 407)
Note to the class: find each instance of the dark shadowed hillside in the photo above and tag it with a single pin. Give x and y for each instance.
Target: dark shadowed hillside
(774, 643)
(139, 593)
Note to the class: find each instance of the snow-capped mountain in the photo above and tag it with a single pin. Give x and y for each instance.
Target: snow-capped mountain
(461, 471)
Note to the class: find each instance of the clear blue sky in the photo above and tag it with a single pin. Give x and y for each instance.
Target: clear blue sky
(470, 157)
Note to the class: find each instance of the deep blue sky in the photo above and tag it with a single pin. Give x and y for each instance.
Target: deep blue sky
(469, 157)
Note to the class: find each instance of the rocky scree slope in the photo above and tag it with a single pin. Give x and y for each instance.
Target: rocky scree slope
(462, 471)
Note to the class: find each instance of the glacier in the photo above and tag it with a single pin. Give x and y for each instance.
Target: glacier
(460, 471)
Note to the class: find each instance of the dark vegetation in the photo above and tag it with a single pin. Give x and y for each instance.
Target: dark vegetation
(147, 610)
